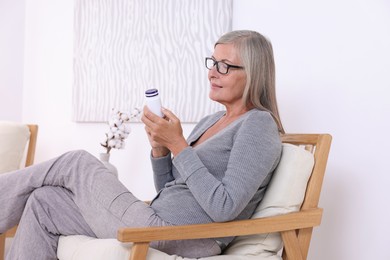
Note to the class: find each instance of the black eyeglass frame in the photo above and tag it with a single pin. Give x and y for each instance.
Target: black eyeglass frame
(228, 66)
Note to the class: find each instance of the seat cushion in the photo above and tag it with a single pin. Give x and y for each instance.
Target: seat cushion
(82, 247)
(13, 140)
(284, 194)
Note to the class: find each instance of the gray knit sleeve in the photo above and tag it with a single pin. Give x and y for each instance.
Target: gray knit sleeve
(162, 170)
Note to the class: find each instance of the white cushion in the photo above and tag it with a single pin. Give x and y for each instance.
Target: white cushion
(285, 194)
(13, 140)
(82, 247)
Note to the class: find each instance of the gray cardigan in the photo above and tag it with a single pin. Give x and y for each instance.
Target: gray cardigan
(221, 179)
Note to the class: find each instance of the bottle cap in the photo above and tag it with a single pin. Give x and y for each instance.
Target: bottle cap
(151, 92)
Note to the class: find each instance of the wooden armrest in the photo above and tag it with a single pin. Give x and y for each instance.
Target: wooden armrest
(291, 221)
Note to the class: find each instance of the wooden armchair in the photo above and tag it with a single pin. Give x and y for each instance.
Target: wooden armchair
(29, 156)
(295, 228)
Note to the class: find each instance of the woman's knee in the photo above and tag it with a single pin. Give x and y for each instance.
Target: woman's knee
(47, 196)
(43, 194)
(79, 154)
(79, 158)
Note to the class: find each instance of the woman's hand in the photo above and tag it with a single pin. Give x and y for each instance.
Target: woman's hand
(165, 134)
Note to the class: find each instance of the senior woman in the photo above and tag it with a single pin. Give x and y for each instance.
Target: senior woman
(218, 174)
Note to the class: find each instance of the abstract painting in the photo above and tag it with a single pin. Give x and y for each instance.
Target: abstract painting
(124, 47)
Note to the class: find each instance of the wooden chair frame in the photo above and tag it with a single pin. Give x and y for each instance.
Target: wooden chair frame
(295, 228)
(30, 155)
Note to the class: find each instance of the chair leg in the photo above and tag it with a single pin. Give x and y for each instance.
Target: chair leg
(291, 245)
(304, 238)
(139, 251)
(2, 246)
(11, 232)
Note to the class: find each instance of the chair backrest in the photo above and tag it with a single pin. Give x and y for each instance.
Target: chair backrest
(14, 137)
(295, 185)
(13, 140)
(319, 145)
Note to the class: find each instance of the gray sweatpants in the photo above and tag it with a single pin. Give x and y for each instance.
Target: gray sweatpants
(75, 194)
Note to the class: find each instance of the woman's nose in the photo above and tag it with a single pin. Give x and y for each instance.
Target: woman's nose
(213, 72)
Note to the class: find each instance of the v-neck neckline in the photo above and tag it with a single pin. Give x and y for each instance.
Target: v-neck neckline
(201, 131)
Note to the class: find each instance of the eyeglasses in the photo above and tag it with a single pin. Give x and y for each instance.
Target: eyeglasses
(222, 67)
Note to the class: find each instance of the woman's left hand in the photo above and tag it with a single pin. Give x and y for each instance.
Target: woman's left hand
(166, 131)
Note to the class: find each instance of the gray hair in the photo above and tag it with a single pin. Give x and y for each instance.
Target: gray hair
(257, 57)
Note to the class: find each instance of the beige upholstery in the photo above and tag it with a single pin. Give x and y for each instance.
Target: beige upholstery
(14, 154)
(274, 226)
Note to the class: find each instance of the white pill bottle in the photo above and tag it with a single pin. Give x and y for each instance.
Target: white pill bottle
(153, 101)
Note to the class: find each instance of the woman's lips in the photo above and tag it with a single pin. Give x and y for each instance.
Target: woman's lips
(213, 85)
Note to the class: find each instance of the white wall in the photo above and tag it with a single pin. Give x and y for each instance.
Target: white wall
(333, 61)
(11, 58)
(333, 64)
